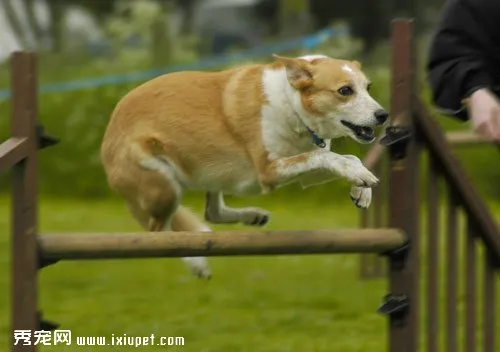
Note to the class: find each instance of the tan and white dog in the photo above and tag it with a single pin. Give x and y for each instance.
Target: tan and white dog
(241, 131)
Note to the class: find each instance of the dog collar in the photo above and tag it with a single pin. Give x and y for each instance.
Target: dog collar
(320, 142)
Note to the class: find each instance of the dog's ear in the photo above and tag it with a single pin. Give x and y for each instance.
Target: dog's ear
(298, 71)
(357, 64)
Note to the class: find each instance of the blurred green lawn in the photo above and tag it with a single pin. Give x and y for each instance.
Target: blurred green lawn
(283, 303)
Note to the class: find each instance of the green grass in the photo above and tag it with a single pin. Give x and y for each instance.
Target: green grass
(283, 303)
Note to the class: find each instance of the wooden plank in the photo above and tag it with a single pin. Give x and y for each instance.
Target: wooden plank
(373, 156)
(364, 259)
(452, 274)
(466, 138)
(490, 303)
(378, 203)
(470, 287)
(185, 244)
(12, 151)
(433, 253)
(24, 200)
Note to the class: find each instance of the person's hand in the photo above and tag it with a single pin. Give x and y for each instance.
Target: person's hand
(484, 111)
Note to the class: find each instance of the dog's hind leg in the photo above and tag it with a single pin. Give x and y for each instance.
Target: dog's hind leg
(217, 212)
(153, 195)
(180, 220)
(185, 220)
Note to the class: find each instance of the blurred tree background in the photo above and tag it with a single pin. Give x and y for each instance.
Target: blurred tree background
(92, 39)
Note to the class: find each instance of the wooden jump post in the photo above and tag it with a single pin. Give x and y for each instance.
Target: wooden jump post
(31, 252)
(20, 153)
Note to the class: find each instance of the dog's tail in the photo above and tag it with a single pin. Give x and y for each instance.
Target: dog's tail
(186, 220)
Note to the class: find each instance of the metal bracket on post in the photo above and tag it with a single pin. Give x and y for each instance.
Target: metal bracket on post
(396, 138)
(398, 256)
(44, 262)
(46, 325)
(44, 140)
(396, 307)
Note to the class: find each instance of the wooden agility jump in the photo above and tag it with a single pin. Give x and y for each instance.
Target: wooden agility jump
(399, 243)
(32, 251)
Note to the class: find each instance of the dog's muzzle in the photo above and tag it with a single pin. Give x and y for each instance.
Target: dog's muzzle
(363, 133)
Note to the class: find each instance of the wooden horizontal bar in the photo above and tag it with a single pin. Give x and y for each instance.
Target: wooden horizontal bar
(227, 243)
(373, 156)
(466, 138)
(12, 151)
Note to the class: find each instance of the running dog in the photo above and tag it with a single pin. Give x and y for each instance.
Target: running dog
(246, 130)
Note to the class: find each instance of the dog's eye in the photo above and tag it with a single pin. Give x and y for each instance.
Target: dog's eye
(368, 87)
(345, 91)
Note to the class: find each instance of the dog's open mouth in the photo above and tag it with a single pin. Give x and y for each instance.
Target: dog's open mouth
(363, 133)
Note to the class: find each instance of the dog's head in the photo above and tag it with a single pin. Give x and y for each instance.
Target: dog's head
(332, 97)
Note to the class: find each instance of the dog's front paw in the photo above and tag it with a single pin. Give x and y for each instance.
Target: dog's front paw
(361, 196)
(254, 216)
(357, 173)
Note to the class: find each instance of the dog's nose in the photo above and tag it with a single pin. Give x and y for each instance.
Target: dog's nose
(381, 116)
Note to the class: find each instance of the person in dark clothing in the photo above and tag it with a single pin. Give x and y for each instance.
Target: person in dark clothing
(463, 66)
